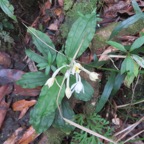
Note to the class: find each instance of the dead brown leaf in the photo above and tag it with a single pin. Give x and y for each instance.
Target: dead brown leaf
(111, 9)
(18, 90)
(5, 59)
(9, 75)
(28, 136)
(61, 2)
(23, 106)
(4, 90)
(43, 8)
(3, 110)
(14, 137)
(58, 11)
(104, 56)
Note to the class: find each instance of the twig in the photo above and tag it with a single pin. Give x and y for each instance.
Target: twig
(134, 136)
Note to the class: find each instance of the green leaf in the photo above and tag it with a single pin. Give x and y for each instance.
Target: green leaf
(128, 65)
(129, 79)
(117, 45)
(118, 82)
(139, 60)
(126, 23)
(42, 42)
(32, 79)
(88, 92)
(137, 43)
(61, 60)
(106, 93)
(67, 113)
(136, 7)
(8, 9)
(42, 116)
(82, 32)
(35, 57)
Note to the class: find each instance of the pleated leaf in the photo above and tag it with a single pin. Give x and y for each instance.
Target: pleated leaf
(32, 79)
(42, 42)
(67, 113)
(35, 57)
(81, 33)
(8, 9)
(43, 113)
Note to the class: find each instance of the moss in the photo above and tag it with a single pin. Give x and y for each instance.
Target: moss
(55, 136)
(103, 34)
(82, 6)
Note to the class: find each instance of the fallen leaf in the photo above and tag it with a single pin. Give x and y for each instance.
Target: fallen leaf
(9, 75)
(18, 90)
(46, 6)
(104, 56)
(5, 90)
(14, 137)
(53, 27)
(28, 136)
(23, 106)
(61, 2)
(5, 59)
(58, 11)
(3, 110)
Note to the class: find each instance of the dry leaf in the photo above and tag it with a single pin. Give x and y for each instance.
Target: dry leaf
(9, 75)
(3, 110)
(104, 56)
(23, 106)
(18, 90)
(28, 136)
(5, 59)
(14, 137)
(61, 2)
(5, 90)
(46, 6)
(58, 11)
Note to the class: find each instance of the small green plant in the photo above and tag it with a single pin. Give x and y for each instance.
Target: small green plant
(129, 70)
(132, 61)
(51, 108)
(54, 89)
(94, 122)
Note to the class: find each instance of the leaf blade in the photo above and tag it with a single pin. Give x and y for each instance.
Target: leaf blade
(82, 29)
(137, 43)
(126, 23)
(117, 45)
(46, 106)
(32, 80)
(106, 93)
(8, 9)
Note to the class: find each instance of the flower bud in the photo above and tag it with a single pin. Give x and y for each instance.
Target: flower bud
(68, 92)
(93, 76)
(50, 82)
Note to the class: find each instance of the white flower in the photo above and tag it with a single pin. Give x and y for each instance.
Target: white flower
(93, 76)
(78, 86)
(51, 80)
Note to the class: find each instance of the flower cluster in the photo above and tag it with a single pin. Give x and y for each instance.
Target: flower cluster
(74, 69)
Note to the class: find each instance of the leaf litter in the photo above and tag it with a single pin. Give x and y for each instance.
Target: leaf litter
(50, 17)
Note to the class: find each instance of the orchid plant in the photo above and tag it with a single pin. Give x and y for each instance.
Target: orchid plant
(52, 109)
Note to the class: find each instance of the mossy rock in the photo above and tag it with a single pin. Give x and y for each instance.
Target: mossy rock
(103, 34)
